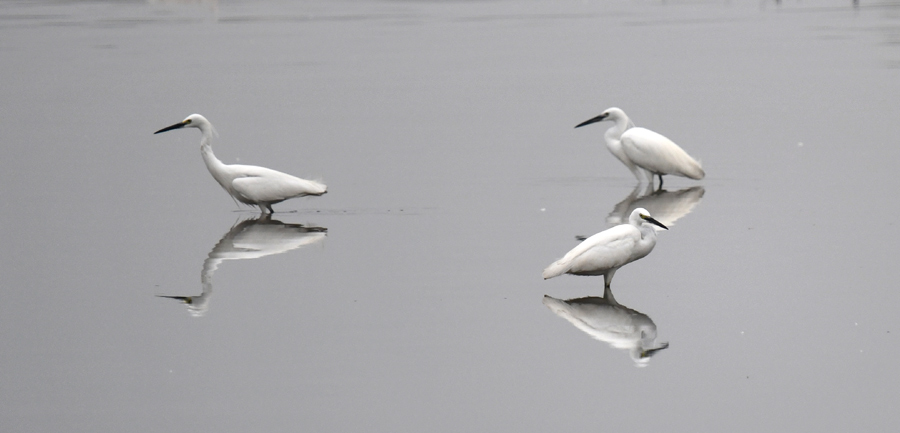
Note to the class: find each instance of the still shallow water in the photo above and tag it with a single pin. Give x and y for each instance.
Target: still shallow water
(444, 131)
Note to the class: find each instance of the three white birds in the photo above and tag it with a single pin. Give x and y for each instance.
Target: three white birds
(641, 148)
(248, 184)
(605, 252)
(601, 254)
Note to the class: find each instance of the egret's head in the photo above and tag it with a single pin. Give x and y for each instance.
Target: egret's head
(640, 216)
(641, 356)
(192, 121)
(613, 114)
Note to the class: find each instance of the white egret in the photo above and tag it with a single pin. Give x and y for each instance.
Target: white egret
(643, 148)
(248, 184)
(605, 252)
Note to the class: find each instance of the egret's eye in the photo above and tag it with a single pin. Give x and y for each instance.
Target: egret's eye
(187, 122)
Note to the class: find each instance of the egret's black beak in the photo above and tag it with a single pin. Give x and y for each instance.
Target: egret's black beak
(185, 299)
(653, 221)
(651, 352)
(169, 128)
(594, 120)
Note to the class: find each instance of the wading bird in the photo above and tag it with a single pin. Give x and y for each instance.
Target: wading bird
(248, 184)
(643, 148)
(605, 252)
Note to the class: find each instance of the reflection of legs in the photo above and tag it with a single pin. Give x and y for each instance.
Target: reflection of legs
(660, 181)
(607, 291)
(608, 296)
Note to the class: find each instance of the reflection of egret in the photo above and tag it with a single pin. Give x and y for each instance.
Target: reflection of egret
(605, 252)
(643, 148)
(666, 206)
(250, 239)
(248, 184)
(606, 320)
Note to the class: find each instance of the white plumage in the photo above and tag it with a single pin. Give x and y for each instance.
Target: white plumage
(248, 184)
(605, 252)
(666, 207)
(250, 239)
(645, 149)
(606, 320)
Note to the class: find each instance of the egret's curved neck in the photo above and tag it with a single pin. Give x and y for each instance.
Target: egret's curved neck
(647, 231)
(623, 123)
(209, 267)
(215, 167)
(613, 140)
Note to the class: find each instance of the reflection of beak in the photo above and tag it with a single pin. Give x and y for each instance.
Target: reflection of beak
(651, 352)
(169, 128)
(653, 221)
(594, 120)
(186, 299)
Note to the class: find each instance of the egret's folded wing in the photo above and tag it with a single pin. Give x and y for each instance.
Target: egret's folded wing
(275, 186)
(602, 247)
(658, 154)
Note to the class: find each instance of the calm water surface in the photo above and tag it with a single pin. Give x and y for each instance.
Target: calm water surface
(410, 297)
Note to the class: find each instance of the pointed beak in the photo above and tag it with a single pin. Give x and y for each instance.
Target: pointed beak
(651, 352)
(169, 128)
(185, 299)
(653, 221)
(594, 120)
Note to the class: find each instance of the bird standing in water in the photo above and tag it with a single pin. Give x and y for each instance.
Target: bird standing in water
(248, 184)
(643, 148)
(605, 252)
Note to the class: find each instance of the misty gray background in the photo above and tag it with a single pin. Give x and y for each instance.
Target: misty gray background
(444, 131)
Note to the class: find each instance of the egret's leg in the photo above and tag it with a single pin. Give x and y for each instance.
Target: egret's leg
(607, 279)
(660, 181)
(266, 208)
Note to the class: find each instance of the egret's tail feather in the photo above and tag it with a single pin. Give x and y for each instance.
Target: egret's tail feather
(701, 174)
(558, 268)
(695, 171)
(317, 187)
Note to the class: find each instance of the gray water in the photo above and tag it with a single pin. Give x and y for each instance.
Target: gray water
(444, 131)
